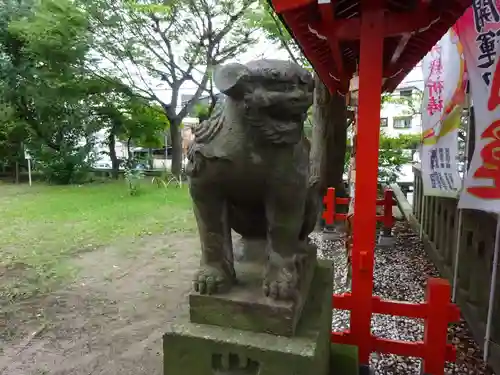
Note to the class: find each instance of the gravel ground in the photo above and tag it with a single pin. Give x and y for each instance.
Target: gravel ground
(400, 274)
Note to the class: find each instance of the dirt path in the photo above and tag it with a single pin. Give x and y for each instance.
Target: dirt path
(111, 320)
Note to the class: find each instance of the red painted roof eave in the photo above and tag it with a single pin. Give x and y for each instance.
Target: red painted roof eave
(319, 54)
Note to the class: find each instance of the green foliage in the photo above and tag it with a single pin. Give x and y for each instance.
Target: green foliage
(133, 178)
(390, 163)
(52, 102)
(44, 85)
(167, 180)
(347, 159)
(308, 124)
(12, 134)
(160, 182)
(57, 89)
(394, 153)
(127, 117)
(403, 141)
(267, 21)
(55, 32)
(410, 105)
(168, 42)
(141, 122)
(202, 111)
(308, 129)
(156, 45)
(69, 165)
(391, 150)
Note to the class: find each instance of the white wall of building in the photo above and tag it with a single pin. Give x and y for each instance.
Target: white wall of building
(398, 119)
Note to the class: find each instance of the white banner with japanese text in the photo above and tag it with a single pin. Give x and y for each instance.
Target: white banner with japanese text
(444, 93)
(479, 32)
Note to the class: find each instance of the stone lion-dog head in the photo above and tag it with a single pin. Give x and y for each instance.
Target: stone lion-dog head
(274, 96)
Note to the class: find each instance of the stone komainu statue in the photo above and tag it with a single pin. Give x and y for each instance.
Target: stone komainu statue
(249, 171)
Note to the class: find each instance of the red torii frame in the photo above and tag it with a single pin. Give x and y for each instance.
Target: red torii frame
(371, 29)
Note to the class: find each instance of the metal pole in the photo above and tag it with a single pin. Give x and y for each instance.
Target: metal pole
(460, 212)
(492, 293)
(29, 170)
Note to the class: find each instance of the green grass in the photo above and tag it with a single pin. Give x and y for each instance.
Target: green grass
(42, 227)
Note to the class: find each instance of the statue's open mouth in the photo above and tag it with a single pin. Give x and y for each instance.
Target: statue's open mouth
(291, 113)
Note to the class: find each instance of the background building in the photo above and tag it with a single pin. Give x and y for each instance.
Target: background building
(395, 118)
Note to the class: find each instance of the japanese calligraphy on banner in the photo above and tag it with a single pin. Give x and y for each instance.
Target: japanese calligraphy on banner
(444, 93)
(479, 30)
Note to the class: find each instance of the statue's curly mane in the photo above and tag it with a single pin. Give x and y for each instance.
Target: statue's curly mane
(208, 129)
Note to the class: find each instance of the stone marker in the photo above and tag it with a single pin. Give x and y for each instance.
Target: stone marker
(266, 309)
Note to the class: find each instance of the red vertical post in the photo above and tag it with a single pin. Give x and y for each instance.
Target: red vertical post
(367, 139)
(329, 202)
(388, 221)
(436, 326)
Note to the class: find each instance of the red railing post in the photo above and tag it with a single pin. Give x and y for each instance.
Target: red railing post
(329, 202)
(436, 326)
(371, 48)
(388, 220)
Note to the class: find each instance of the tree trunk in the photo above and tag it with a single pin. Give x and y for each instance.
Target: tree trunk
(130, 154)
(329, 139)
(176, 139)
(150, 159)
(115, 164)
(336, 146)
(17, 172)
(321, 98)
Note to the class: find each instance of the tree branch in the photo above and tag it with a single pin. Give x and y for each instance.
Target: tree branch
(172, 65)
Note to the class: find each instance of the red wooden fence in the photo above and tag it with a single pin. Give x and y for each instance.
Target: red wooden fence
(437, 310)
(330, 202)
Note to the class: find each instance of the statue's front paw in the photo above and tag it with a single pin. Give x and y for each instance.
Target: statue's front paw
(210, 279)
(281, 282)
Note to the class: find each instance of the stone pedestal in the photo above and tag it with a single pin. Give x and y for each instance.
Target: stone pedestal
(245, 307)
(203, 349)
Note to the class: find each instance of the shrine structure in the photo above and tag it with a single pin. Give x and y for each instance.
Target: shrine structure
(380, 41)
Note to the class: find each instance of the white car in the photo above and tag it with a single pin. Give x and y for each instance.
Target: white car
(102, 165)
